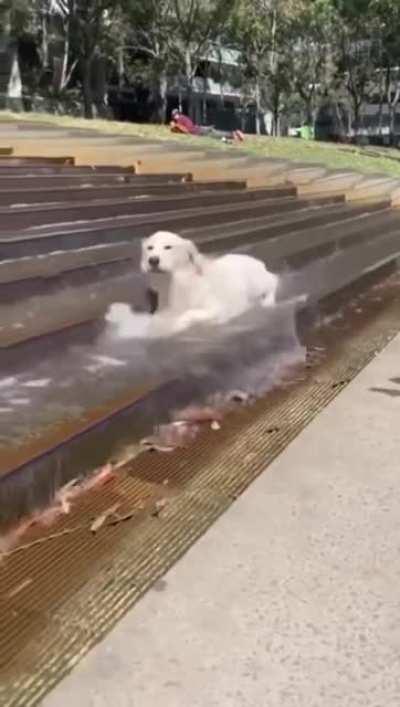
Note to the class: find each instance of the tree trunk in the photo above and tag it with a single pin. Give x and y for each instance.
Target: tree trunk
(64, 78)
(189, 81)
(10, 76)
(340, 130)
(384, 83)
(306, 115)
(310, 113)
(276, 99)
(45, 41)
(393, 117)
(163, 97)
(356, 111)
(120, 65)
(159, 99)
(98, 84)
(60, 74)
(258, 106)
(391, 120)
(62, 71)
(276, 121)
(221, 83)
(204, 103)
(87, 89)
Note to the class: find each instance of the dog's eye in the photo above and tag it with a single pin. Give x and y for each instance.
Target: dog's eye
(150, 247)
(167, 247)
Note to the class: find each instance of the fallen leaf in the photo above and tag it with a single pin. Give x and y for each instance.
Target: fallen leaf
(159, 506)
(116, 519)
(48, 516)
(19, 588)
(153, 446)
(98, 477)
(71, 484)
(171, 436)
(65, 506)
(101, 519)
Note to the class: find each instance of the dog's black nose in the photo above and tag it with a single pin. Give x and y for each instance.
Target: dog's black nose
(154, 261)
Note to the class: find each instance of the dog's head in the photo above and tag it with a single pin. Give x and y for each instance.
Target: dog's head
(166, 252)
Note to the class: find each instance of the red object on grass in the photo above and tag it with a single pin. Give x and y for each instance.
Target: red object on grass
(185, 124)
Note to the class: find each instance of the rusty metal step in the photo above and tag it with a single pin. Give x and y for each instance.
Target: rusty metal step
(49, 168)
(14, 161)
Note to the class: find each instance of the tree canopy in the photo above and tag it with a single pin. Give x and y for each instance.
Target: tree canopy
(292, 54)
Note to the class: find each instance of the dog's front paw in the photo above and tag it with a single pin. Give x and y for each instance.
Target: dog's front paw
(268, 300)
(117, 312)
(190, 318)
(183, 322)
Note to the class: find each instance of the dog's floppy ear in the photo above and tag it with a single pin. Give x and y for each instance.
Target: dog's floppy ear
(195, 258)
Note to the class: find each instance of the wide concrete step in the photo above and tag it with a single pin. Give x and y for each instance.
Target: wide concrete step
(37, 271)
(46, 265)
(21, 218)
(118, 150)
(48, 195)
(256, 171)
(80, 234)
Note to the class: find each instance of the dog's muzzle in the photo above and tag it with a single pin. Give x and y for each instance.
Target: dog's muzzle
(154, 263)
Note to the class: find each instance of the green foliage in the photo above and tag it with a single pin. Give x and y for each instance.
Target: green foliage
(292, 52)
(16, 16)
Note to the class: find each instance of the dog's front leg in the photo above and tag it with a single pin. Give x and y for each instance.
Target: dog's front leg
(159, 286)
(152, 300)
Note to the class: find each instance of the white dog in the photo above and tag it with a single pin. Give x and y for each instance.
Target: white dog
(192, 288)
